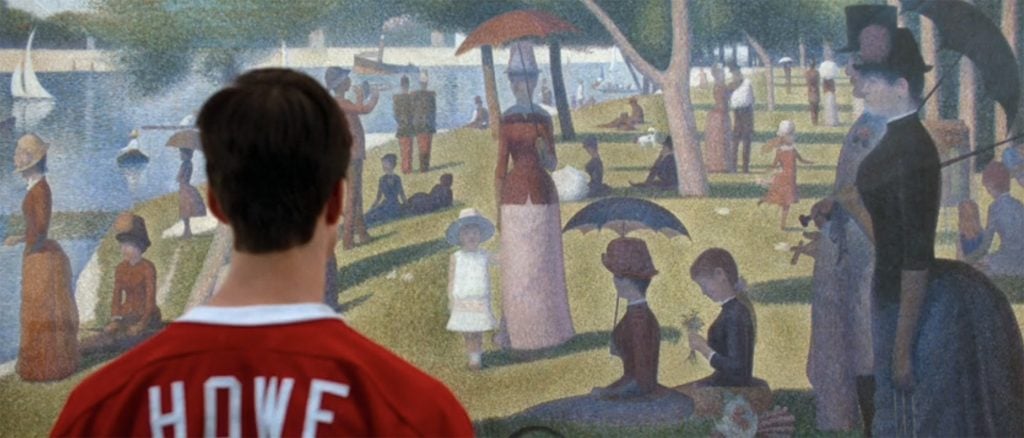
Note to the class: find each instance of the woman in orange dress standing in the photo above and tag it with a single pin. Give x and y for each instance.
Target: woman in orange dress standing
(718, 151)
(535, 303)
(49, 316)
(783, 190)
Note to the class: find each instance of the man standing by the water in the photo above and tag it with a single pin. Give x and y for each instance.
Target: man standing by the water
(424, 119)
(339, 82)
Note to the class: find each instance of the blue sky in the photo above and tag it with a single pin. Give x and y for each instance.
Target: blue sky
(45, 8)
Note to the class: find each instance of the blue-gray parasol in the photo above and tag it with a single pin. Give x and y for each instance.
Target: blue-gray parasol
(624, 215)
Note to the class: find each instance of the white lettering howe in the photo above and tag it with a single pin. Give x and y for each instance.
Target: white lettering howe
(272, 405)
(314, 414)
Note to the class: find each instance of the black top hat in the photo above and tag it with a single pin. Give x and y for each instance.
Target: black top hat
(860, 16)
(904, 58)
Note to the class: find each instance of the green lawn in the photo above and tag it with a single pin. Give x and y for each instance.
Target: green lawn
(409, 316)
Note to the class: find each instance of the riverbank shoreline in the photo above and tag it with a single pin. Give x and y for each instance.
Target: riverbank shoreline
(59, 61)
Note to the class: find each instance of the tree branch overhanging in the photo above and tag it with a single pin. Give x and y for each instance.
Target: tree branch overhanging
(628, 50)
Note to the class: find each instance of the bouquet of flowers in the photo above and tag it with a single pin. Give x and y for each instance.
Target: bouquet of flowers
(693, 324)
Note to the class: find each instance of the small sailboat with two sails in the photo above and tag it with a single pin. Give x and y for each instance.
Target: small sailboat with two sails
(32, 103)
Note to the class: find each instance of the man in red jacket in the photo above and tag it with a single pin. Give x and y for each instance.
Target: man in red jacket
(265, 356)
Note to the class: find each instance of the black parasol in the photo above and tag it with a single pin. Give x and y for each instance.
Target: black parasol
(624, 215)
(964, 29)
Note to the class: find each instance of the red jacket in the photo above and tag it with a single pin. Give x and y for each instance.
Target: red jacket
(272, 371)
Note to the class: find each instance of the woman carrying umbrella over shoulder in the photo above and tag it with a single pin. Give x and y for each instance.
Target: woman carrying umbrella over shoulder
(535, 304)
(949, 360)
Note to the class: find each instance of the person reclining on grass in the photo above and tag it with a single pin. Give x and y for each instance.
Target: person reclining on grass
(662, 175)
(264, 356)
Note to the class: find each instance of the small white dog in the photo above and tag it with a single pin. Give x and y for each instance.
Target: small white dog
(649, 140)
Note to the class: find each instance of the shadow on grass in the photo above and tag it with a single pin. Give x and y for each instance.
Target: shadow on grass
(445, 166)
(750, 190)
(609, 137)
(578, 344)
(378, 264)
(355, 302)
(788, 291)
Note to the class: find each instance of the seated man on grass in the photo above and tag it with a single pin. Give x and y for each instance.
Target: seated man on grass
(662, 175)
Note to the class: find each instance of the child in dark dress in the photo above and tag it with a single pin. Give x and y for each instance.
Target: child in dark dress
(390, 194)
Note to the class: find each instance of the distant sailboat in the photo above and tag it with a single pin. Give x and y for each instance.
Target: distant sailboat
(284, 54)
(24, 83)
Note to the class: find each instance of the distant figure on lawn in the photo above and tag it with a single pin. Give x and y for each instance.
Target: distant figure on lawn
(481, 118)
(595, 168)
(662, 175)
(439, 198)
(636, 112)
(783, 190)
(622, 123)
(390, 194)
(1005, 218)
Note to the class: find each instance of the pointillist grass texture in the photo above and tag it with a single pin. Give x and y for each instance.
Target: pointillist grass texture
(394, 289)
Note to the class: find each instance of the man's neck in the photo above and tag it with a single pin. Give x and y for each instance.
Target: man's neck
(286, 277)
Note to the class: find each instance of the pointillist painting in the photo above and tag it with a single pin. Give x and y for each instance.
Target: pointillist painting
(586, 217)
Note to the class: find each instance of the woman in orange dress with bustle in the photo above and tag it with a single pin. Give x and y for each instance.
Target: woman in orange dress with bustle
(535, 303)
(718, 152)
(49, 316)
(783, 190)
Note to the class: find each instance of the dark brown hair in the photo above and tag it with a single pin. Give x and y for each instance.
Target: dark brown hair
(713, 258)
(276, 145)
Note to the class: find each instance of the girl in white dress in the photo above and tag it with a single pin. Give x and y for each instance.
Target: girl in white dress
(469, 282)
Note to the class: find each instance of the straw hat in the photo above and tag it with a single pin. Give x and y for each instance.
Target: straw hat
(628, 257)
(30, 150)
(470, 216)
(131, 228)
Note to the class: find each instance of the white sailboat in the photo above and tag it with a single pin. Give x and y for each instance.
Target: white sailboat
(24, 83)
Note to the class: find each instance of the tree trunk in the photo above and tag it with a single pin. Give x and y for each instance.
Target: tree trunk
(762, 54)
(491, 89)
(803, 53)
(558, 86)
(930, 52)
(632, 72)
(675, 83)
(968, 110)
(901, 21)
(721, 52)
(683, 126)
(1010, 22)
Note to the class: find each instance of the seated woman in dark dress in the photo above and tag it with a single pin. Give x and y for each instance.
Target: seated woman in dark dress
(595, 168)
(637, 337)
(390, 194)
(662, 175)
(729, 347)
(439, 198)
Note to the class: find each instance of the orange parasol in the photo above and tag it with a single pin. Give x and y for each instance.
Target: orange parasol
(187, 139)
(512, 26)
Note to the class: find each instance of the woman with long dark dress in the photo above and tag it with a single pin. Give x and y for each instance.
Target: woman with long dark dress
(48, 349)
(949, 360)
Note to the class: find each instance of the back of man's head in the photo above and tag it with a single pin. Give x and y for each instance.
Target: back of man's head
(276, 145)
